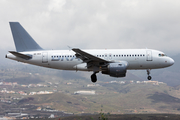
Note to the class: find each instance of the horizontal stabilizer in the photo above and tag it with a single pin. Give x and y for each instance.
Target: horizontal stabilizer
(26, 57)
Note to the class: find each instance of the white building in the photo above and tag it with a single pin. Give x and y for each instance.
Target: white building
(93, 85)
(52, 116)
(92, 92)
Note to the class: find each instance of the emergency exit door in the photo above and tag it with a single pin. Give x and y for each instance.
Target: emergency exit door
(44, 57)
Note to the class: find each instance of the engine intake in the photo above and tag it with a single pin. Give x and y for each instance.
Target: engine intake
(116, 69)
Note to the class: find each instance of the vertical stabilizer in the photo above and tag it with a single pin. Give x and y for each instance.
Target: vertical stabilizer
(23, 41)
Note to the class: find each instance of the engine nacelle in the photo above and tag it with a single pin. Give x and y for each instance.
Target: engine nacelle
(117, 69)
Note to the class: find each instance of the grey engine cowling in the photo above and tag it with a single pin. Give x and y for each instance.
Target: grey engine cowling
(117, 69)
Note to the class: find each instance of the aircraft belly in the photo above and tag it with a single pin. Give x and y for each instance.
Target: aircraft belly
(142, 64)
(133, 63)
(63, 65)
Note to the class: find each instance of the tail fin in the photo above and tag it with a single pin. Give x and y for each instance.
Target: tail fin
(23, 41)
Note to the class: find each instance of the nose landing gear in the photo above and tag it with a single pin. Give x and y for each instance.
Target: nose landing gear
(148, 72)
(149, 77)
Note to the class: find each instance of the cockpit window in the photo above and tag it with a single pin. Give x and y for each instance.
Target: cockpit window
(161, 55)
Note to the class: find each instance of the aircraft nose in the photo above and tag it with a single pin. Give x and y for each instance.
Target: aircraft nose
(171, 61)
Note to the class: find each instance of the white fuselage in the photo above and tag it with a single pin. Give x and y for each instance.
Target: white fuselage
(66, 59)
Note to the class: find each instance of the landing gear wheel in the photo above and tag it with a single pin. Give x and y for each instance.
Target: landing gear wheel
(149, 77)
(148, 73)
(93, 78)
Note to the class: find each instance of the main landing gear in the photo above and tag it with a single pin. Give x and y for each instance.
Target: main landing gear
(94, 77)
(149, 77)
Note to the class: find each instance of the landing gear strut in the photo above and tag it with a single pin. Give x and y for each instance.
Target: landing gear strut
(94, 77)
(149, 77)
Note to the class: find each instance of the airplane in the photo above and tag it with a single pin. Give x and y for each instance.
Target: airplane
(112, 62)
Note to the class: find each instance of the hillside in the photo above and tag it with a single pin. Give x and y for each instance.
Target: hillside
(114, 98)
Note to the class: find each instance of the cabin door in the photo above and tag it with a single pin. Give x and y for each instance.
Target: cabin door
(149, 55)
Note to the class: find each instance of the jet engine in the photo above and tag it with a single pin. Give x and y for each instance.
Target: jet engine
(117, 69)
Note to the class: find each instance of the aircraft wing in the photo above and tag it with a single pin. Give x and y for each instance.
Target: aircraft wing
(86, 57)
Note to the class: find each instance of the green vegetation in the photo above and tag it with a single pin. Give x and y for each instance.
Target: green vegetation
(102, 116)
